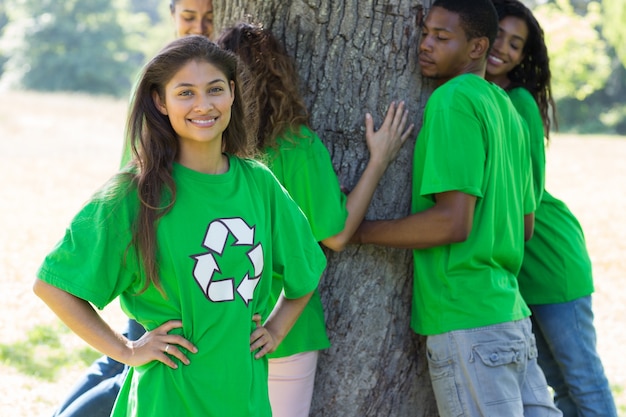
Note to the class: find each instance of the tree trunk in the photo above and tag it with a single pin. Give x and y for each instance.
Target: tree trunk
(355, 56)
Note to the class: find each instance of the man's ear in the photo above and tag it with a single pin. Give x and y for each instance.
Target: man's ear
(480, 47)
(158, 103)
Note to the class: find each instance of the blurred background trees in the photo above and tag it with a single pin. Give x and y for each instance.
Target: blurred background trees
(98, 46)
(94, 46)
(585, 41)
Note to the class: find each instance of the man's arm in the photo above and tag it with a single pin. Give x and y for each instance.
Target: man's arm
(448, 221)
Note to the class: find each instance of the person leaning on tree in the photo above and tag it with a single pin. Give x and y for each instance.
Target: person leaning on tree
(556, 277)
(472, 205)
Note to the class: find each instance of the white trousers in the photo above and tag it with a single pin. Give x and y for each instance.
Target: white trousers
(291, 381)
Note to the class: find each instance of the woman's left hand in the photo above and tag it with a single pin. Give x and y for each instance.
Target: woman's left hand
(261, 340)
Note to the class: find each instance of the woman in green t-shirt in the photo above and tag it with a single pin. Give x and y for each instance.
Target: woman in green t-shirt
(555, 279)
(94, 393)
(301, 162)
(188, 236)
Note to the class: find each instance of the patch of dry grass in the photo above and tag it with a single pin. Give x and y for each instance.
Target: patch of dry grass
(55, 150)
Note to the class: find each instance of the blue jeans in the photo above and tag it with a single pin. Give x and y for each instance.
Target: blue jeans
(489, 371)
(566, 340)
(95, 394)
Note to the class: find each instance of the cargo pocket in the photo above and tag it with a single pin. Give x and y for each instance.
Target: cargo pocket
(500, 368)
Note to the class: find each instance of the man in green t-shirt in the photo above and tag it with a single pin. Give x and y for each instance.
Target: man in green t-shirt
(472, 206)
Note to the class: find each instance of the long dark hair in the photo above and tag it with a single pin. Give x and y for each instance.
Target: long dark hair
(533, 73)
(154, 143)
(271, 78)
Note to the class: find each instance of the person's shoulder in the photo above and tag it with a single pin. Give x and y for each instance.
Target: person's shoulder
(300, 137)
(466, 82)
(521, 94)
(528, 111)
(117, 188)
(256, 174)
(248, 164)
(303, 132)
(493, 94)
(117, 197)
(462, 86)
(251, 167)
(523, 101)
(462, 94)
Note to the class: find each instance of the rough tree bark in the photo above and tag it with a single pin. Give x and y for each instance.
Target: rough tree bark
(356, 56)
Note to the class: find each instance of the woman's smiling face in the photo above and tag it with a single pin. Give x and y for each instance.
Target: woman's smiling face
(508, 49)
(193, 17)
(198, 102)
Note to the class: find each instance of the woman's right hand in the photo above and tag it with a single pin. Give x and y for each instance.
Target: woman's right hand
(385, 143)
(160, 345)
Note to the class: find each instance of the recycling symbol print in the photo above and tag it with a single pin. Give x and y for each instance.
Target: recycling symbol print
(207, 267)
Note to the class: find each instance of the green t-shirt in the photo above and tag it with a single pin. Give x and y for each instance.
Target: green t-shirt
(474, 142)
(556, 266)
(219, 246)
(303, 166)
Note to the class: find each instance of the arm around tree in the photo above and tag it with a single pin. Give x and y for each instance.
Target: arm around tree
(448, 221)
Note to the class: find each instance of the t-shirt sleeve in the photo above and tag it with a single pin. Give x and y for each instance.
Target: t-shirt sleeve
(297, 256)
(93, 260)
(454, 151)
(311, 180)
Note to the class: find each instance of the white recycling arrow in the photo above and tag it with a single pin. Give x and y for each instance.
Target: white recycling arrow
(221, 290)
(204, 269)
(246, 288)
(216, 236)
(256, 257)
(242, 232)
(206, 266)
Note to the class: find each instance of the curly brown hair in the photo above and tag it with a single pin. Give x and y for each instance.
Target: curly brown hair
(271, 81)
(533, 73)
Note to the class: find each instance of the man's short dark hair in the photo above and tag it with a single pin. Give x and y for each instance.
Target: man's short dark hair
(478, 17)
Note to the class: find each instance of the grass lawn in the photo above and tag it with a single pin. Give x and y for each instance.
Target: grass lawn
(55, 150)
